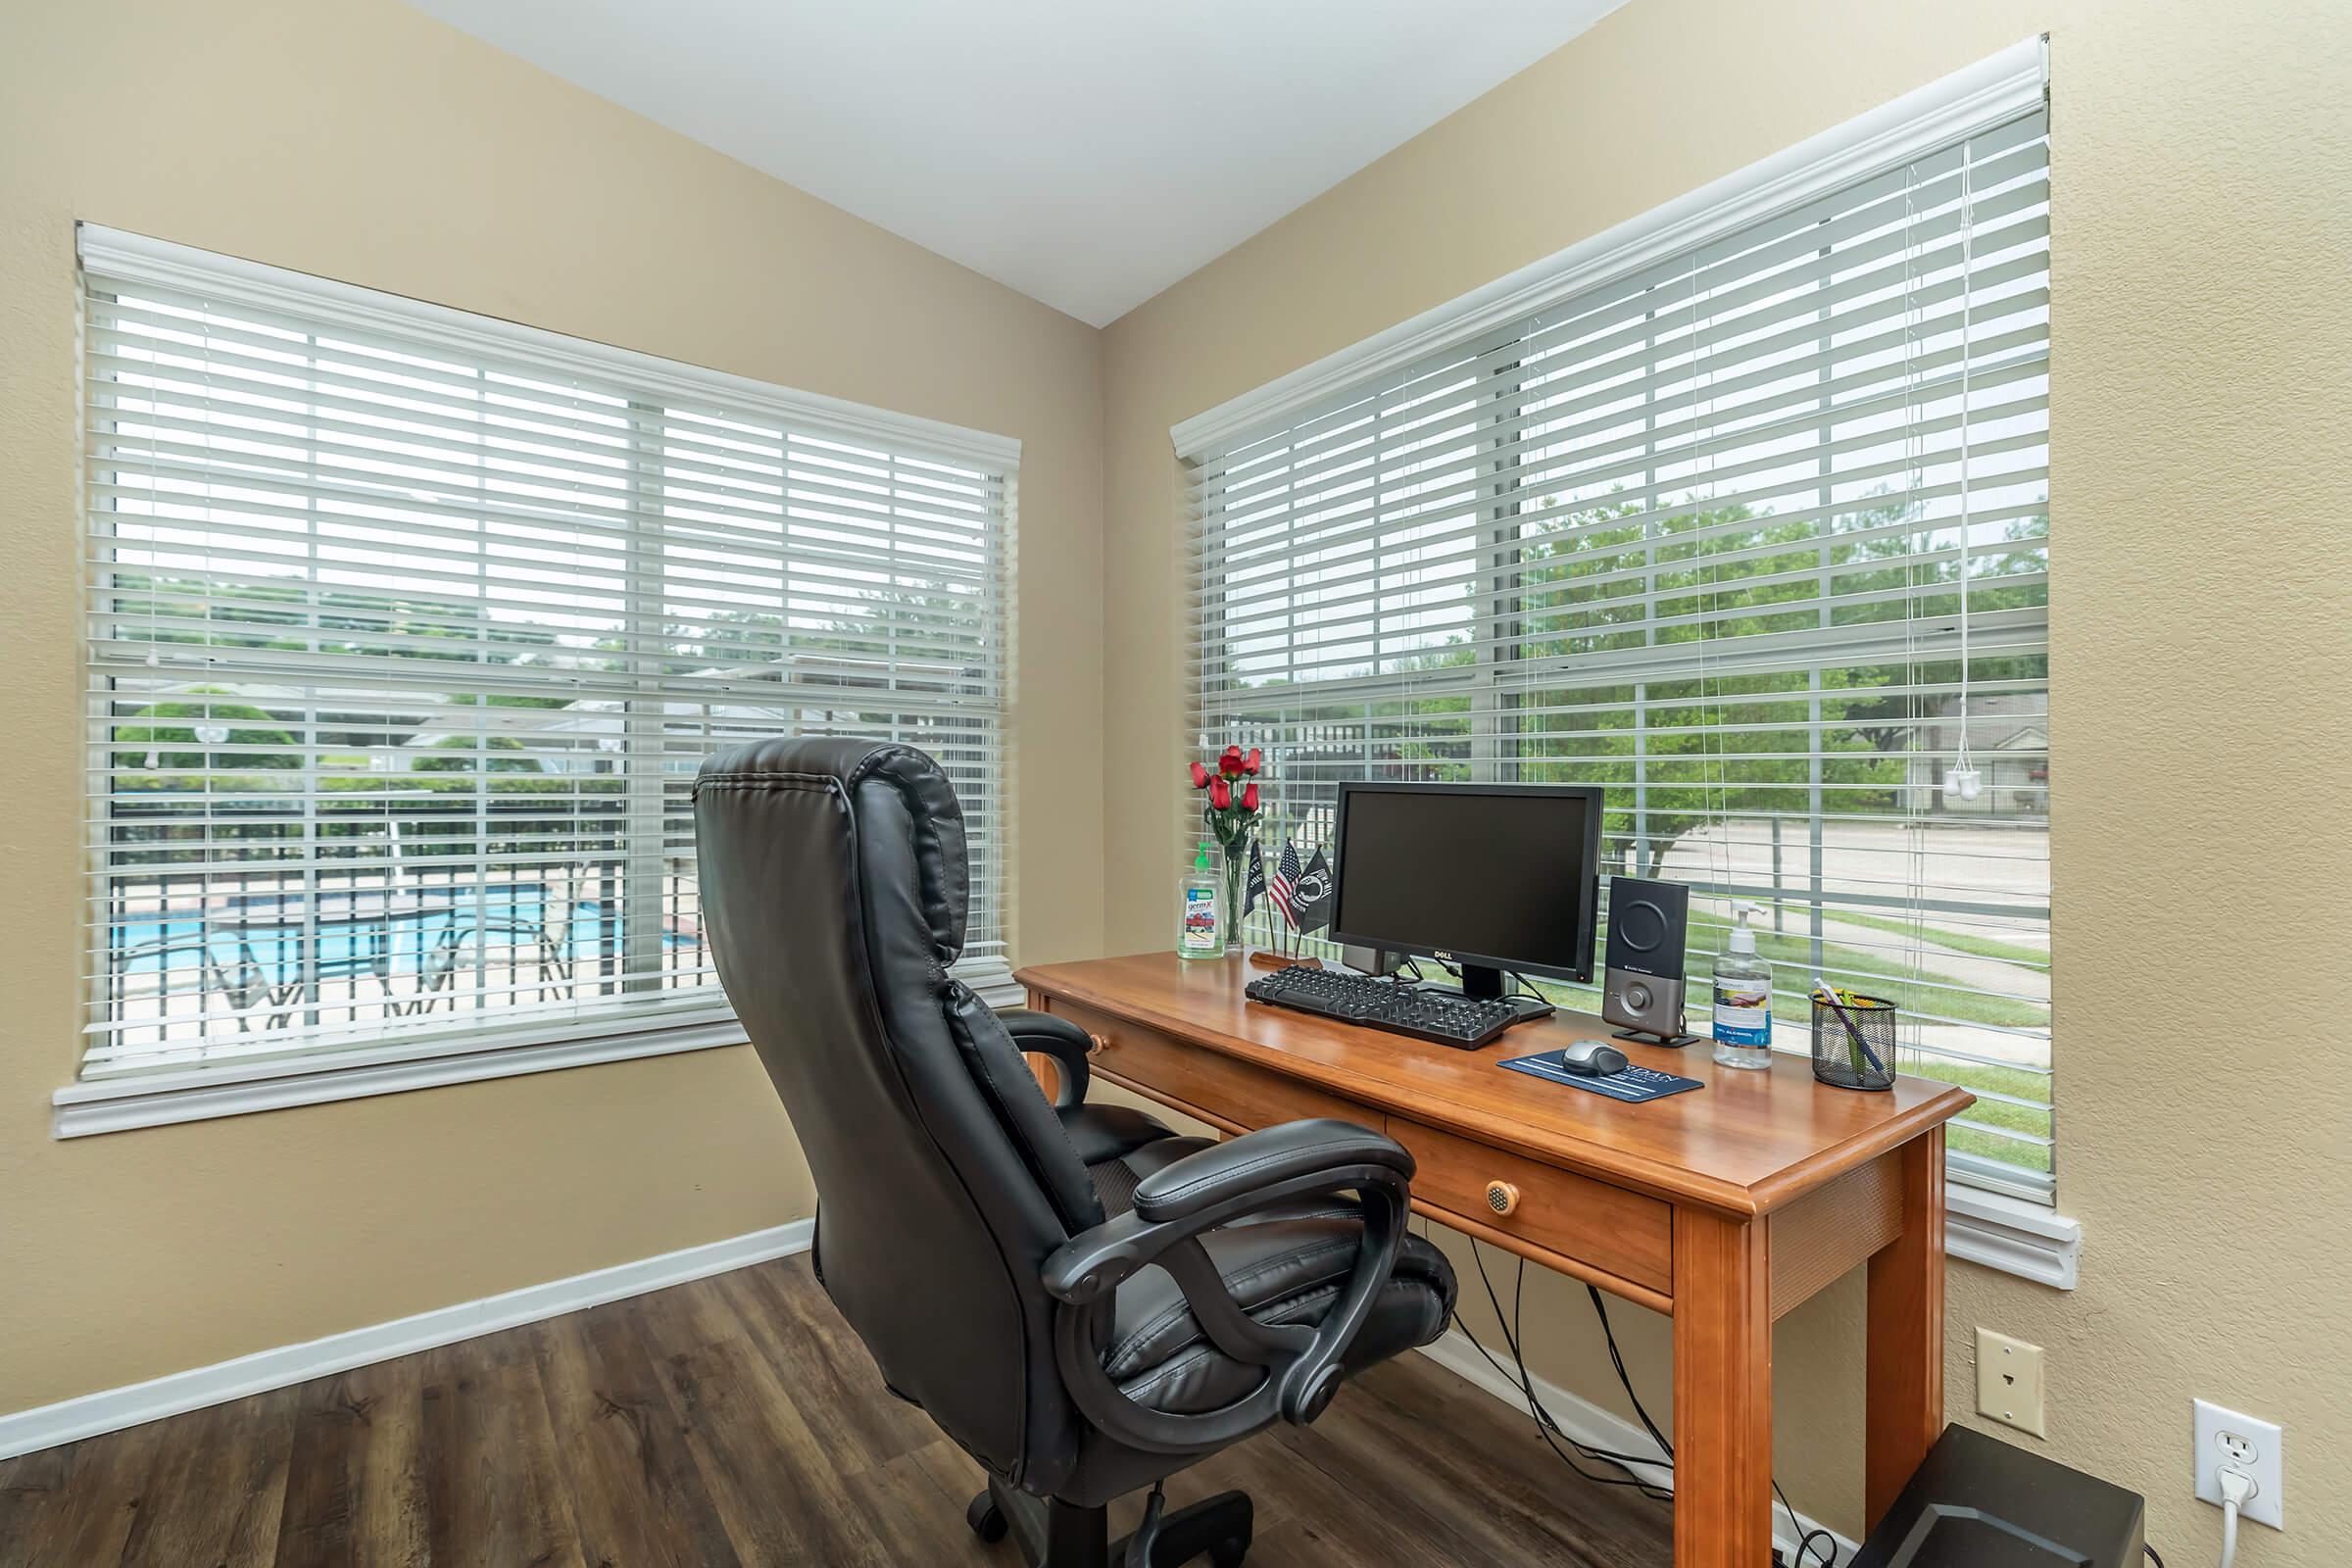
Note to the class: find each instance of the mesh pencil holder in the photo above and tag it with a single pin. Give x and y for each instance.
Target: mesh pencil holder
(1855, 1054)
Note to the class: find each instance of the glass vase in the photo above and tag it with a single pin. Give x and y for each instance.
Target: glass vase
(1237, 873)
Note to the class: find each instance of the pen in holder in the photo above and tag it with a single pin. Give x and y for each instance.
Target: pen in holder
(1853, 1040)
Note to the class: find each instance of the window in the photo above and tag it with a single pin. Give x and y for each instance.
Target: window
(1748, 522)
(408, 630)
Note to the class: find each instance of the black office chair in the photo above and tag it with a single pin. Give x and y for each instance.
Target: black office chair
(1084, 1302)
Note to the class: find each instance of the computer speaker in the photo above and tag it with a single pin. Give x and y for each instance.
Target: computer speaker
(1642, 987)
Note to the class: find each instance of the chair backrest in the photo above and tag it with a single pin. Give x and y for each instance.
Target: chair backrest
(833, 891)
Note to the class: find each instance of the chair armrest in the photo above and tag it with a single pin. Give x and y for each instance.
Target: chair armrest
(1213, 1187)
(1059, 1038)
(1243, 1164)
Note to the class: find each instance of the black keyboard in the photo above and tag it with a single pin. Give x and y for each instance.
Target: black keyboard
(1404, 1009)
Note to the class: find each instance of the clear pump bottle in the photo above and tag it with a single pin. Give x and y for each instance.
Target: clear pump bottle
(1202, 934)
(1742, 1000)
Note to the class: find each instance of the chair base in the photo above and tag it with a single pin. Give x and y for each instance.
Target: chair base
(1056, 1535)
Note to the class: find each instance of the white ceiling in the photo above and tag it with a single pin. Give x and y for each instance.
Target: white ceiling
(1088, 153)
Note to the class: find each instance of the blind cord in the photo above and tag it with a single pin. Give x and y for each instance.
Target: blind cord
(1915, 946)
(1965, 769)
(1714, 786)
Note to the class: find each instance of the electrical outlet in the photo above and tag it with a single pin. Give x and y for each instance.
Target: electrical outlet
(2009, 1387)
(2227, 1440)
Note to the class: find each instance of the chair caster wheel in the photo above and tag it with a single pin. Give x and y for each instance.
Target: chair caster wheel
(988, 1520)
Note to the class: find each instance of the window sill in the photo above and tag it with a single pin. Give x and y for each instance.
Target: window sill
(2009, 1234)
(163, 1099)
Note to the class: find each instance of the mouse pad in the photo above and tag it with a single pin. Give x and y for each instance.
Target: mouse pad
(1634, 1085)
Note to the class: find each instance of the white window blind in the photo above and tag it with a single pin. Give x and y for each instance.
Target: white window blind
(1701, 531)
(408, 630)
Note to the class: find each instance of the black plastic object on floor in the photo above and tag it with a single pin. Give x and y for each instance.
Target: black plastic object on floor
(1976, 1502)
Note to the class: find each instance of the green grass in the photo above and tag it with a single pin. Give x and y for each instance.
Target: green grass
(1880, 976)
(1958, 941)
(1887, 974)
(1990, 1113)
(1855, 970)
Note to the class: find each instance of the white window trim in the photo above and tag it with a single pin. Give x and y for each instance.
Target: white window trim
(1996, 1229)
(1983, 95)
(2010, 1234)
(163, 1098)
(200, 1094)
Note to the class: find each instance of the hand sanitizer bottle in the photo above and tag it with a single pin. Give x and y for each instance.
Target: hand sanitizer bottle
(1202, 934)
(1742, 1000)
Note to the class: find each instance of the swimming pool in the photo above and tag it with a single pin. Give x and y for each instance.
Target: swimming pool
(368, 932)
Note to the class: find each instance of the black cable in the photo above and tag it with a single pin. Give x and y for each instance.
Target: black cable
(2151, 1551)
(1545, 1423)
(1546, 1426)
(1518, 1299)
(1807, 1540)
(1625, 1379)
(1806, 1537)
(1527, 1384)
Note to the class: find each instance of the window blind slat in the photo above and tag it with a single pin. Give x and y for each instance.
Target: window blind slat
(1465, 494)
(1833, 305)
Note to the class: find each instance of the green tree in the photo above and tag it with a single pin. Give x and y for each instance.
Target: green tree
(462, 753)
(725, 637)
(1605, 577)
(453, 763)
(163, 735)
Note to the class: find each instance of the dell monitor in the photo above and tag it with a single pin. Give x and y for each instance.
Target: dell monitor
(1488, 877)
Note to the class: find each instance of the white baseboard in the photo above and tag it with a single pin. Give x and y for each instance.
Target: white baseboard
(1588, 1423)
(112, 1410)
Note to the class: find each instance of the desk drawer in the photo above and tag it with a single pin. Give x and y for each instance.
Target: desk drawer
(1627, 1233)
(1202, 1083)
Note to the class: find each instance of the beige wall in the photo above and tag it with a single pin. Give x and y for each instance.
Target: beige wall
(2202, 631)
(2199, 615)
(363, 141)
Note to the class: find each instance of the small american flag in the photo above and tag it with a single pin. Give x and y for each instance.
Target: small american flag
(1283, 890)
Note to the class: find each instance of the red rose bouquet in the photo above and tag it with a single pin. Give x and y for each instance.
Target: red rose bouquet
(1227, 790)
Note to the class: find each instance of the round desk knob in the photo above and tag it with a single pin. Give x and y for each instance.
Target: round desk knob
(1096, 1045)
(1501, 1197)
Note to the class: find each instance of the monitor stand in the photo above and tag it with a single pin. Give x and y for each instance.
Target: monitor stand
(1485, 983)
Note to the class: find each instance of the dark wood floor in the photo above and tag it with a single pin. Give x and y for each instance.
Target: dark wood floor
(737, 1421)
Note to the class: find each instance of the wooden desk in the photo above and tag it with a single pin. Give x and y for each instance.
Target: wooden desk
(1723, 1206)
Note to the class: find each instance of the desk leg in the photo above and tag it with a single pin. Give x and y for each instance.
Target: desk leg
(1905, 1377)
(1722, 1393)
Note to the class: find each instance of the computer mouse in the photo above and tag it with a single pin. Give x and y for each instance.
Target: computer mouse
(1598, 1058)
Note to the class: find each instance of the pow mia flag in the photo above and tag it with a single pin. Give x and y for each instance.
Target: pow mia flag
(1314, 895)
